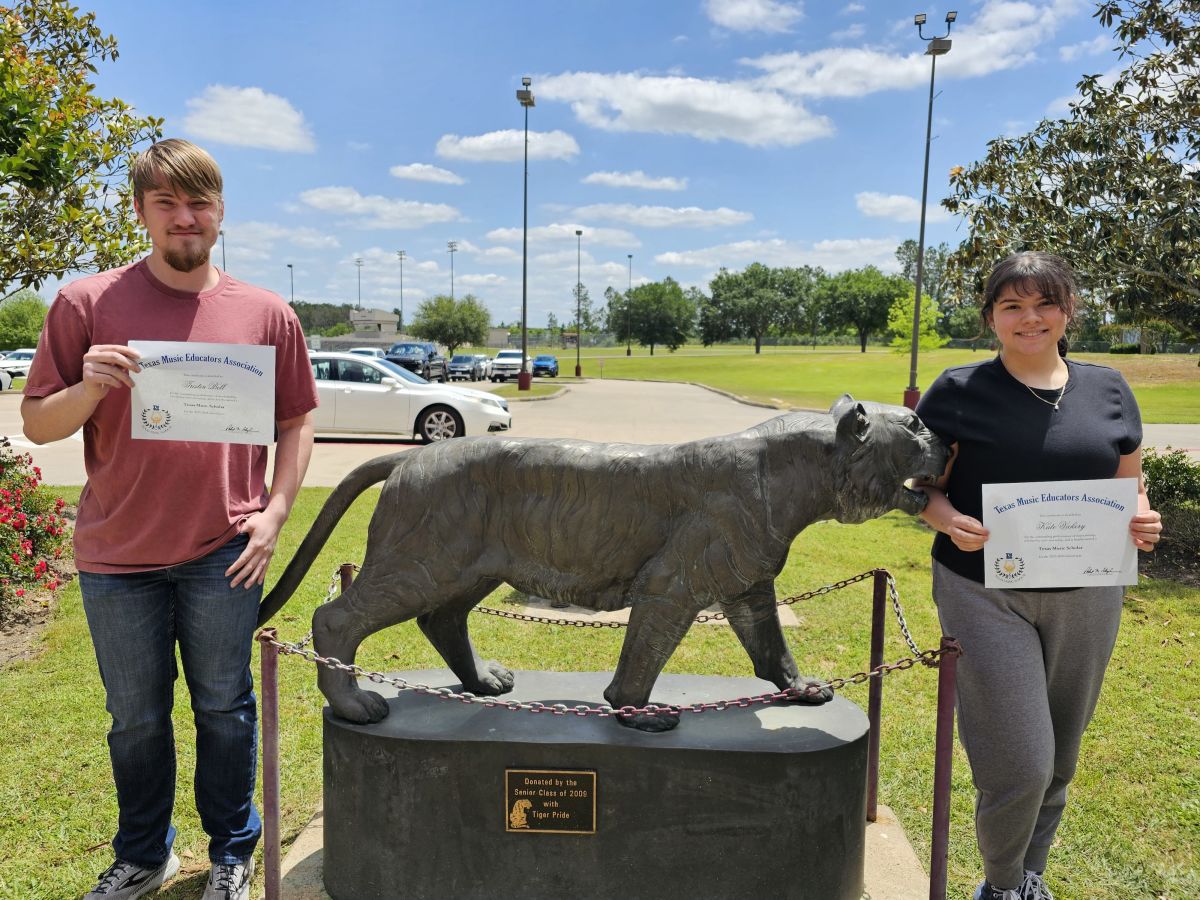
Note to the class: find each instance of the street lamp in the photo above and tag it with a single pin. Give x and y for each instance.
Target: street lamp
(452, 248)
(222, 234)
(359, 263)
(628, 308)
(937, 47)
(292, 281)
(578, 302)
(525, 379)
(400, 255)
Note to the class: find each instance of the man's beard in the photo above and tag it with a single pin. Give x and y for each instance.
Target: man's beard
(184, 261)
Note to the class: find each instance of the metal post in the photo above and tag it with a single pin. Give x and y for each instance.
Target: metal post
(942, 762)
(912, 393)
(400, 254)
(875, 697)
(578, 302)
(525, 378)
(269, 688)
(222, 234)
(346, 570)
(292, 282)
(628, 306)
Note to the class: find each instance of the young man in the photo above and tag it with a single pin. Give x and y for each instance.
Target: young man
(173, 538)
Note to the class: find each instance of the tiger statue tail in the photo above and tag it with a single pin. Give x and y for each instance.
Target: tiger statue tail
(371, 472)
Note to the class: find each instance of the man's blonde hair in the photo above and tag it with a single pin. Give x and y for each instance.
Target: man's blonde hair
(176, 165)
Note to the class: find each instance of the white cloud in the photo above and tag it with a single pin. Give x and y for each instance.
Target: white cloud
(831, 255)
(358, 146)
(662, 216)
(897, 207)
(374, 211)
(563, 231)
(1003, 35)
(636, 179)
(500, 254)
(851, 8)
(481, 280)
(1097, 45)
(709, 110)
(248, 117)
(852, 33)
(426, 172)
(754, 15)
(507, 146)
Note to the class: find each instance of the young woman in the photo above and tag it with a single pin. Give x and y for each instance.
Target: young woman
(1034, 659)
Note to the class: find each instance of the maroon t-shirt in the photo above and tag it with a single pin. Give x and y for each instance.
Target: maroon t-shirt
(152, 504)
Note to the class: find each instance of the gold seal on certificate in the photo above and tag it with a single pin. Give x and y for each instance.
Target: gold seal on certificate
(1059, 534)
(216, 393)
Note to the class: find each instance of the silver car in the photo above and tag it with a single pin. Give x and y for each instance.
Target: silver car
(362, 395)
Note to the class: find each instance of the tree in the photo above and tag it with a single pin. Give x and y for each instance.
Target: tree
(589, 320)
(617, 316)
(860, 299)
(65, 199)
(21, 318)
(1114, 187)
(452, 322)
(900, 317)
(934, 281)
(660, 313)
(319, 317)
(551, 322)
(803, 311)
(746, 304)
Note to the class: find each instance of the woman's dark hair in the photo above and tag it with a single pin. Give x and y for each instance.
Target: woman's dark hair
(1033, 272)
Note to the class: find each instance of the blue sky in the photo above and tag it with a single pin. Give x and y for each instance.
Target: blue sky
(691, 134)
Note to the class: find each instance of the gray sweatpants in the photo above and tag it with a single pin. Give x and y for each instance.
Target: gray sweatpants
(1028, 681)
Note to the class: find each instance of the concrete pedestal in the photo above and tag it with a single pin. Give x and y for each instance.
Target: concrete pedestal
(762, 801)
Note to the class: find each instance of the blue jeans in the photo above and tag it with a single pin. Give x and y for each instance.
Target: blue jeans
(135, 620)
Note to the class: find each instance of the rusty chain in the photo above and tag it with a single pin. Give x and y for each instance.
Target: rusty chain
(926, 657)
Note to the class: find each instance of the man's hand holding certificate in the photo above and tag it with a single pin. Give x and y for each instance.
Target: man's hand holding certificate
(219, 393)
(1059, 534)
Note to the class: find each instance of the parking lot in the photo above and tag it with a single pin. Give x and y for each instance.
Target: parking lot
(628, 411)
(640, 412)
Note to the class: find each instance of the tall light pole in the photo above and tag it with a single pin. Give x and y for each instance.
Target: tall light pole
(937, 47)
(578, 302)
(358, 264)
(525, 379)
(222, 234)
(400, 255)
(451, 248)
(292, 281)
(628, 309)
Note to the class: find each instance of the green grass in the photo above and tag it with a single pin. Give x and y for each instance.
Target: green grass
(1167, 386)
(537, 389)
(1132, 829)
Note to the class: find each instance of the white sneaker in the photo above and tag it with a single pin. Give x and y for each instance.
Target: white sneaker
(229, 881)
(125, 881)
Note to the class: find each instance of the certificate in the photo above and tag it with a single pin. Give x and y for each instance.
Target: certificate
(218, 393)
(1059, 533)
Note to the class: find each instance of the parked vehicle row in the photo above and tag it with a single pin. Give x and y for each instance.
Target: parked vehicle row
(17, 362)
(419, 357)
(365, 395)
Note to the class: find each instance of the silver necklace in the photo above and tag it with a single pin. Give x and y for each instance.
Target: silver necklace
(1057, 400)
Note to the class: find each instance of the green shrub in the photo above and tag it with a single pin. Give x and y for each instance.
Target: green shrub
(1125, 348)
(33, 530)
(1172, 478)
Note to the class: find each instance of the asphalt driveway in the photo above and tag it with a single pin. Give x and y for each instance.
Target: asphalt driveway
(640, 412)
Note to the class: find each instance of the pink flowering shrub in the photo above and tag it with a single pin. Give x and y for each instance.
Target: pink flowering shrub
(34, 533)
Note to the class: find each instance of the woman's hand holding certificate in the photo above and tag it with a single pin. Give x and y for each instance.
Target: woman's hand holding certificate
(1060, 534)
(219, 393)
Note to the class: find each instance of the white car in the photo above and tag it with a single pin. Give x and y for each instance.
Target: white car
(368, 351)
(17, 362)
(361, 395)
(507, 364)
(485, 363)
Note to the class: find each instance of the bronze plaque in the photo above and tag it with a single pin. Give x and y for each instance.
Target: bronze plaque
(541, 801)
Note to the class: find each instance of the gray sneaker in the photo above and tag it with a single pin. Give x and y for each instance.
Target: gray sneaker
(124, 881)
(1034, 888)
(229, 881)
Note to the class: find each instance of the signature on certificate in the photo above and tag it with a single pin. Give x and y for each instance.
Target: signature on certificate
(241, 429)
(1103, 570)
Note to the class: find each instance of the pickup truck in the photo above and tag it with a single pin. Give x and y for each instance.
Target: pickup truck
(507, 364)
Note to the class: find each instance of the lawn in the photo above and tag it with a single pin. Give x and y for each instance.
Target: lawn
(1167, 386)
(1132, 830)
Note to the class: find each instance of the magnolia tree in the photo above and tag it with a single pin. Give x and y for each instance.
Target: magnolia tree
(65, 203)
(1115, 186)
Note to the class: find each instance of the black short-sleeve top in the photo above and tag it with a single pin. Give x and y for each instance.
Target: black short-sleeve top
(1006, 434)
